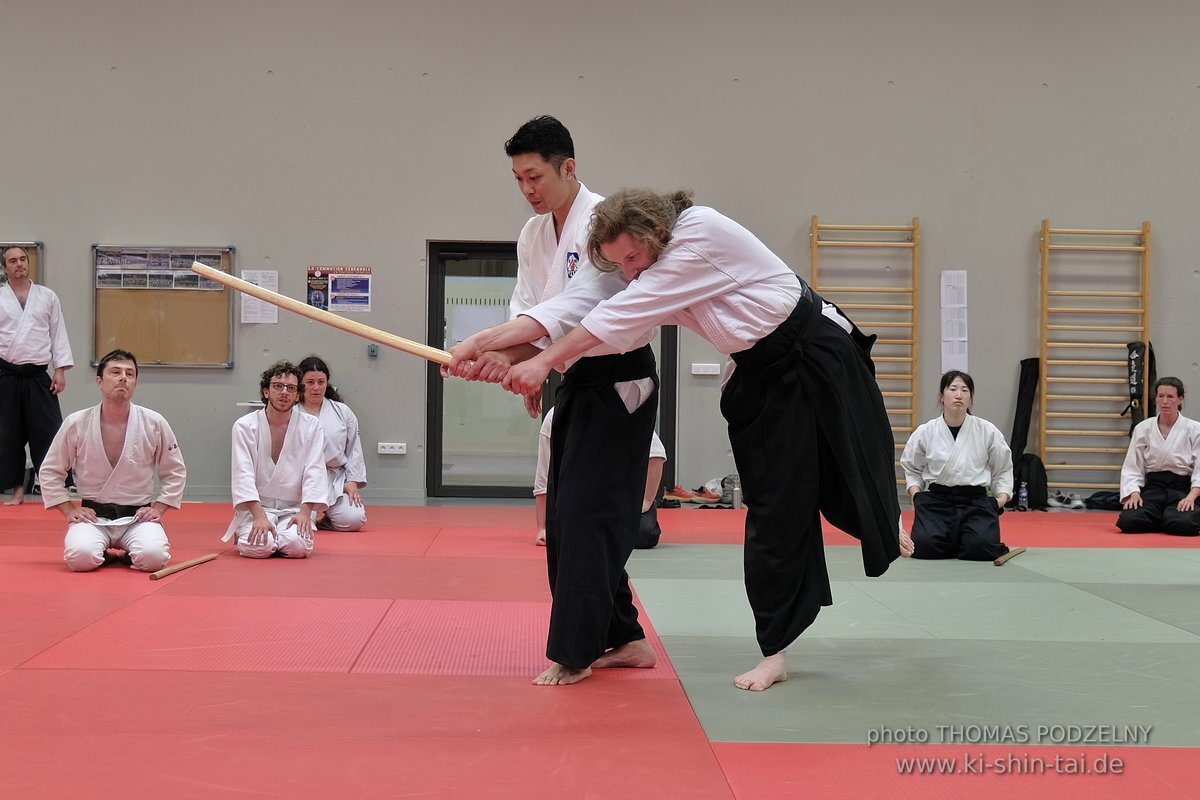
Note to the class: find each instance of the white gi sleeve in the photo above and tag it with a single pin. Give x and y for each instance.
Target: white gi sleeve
(681, 278)
(562, 314)
(243, 472)
(315, 488)
(356, 467)
(527, 292)
(912, 460)
(59, 460)
(172, 473)
(1000, 463)
(60, 346)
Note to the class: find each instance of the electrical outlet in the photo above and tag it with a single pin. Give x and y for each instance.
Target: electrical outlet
(392, 448)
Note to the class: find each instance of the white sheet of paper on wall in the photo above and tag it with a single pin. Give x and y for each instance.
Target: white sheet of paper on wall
(954, 319)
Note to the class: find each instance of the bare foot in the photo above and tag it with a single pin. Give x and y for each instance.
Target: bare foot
(558, 675)
(17, 498)
(637, 655)
(768, 672)
(906, 544)
(540, 541)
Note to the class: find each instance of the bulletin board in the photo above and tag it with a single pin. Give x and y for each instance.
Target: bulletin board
(149, 302)
(34, 249)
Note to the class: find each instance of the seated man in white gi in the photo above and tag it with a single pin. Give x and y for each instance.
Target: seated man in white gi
(1160, 480)
(116, 450)
(279, 476)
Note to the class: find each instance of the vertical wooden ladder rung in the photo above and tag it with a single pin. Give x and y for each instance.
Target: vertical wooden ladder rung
(1105, 281)
(896, 333)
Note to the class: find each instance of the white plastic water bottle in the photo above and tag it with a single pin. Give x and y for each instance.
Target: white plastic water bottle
(736, 491)
(1023, 497)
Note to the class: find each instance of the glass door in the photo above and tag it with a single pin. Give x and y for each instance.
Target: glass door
(481, 442)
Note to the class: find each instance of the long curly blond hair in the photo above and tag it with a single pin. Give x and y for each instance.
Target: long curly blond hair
(647, 216)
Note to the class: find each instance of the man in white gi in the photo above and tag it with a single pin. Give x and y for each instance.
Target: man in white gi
(807, 423)
(116, 449)
(33, 337)
(279, 475)
(552, 254)
(1160, 480)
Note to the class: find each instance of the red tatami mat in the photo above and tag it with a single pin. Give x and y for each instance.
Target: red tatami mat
(849, 772)
(328, 574)
(269, 634)
(208, 704)
(298, 766)
(487, 543)
(396, 662)
(323, 736)
(34, 621)
(426, 637)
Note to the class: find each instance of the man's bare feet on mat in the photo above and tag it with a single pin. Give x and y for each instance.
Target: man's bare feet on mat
(770, 671)
(637, 655)
(558, 675)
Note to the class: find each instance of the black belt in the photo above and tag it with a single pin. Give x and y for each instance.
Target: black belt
(780, 347)
(1167, 480)
(956, 491)
(111, 510)
(613, 368)
(22, 370)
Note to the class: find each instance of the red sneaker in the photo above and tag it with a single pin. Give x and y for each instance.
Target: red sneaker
(703, 495)
(678, 493)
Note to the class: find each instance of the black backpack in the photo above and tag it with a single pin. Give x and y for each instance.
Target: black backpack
(1032, 472)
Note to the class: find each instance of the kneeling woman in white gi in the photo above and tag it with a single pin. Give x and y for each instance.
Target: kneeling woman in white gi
(1160, 480)
(949, 464)
(343, 448)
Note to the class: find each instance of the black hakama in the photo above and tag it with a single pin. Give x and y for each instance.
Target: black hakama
(29, 413)
(1160, 496)
(599, 453)
(956, 522)
(810, 436)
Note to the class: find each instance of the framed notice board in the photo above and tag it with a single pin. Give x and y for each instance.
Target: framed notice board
(34, 250)
(149, 302)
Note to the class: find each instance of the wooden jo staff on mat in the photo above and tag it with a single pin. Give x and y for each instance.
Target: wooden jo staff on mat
(349, 326)
(1013, 553)
(165, 571)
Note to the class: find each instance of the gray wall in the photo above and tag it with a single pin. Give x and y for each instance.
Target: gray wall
(316, 133)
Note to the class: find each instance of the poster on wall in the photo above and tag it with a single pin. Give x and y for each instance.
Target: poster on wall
(253, 309)
(342, 290)
(318, 288)
(152, 268)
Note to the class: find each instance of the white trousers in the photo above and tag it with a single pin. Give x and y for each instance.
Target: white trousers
(345, 516)
(285, 540)
(145, 542)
